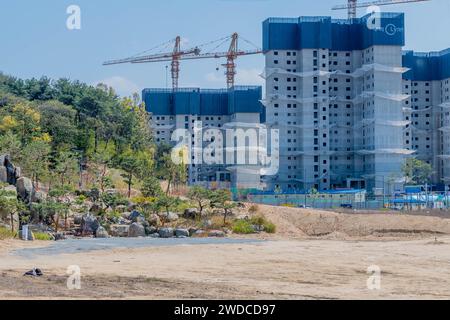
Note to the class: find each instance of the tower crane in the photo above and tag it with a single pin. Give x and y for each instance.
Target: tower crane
(194, 54)
(173, 56)
(352, 5)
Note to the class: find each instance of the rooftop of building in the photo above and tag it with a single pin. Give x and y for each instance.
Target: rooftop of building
(427, 66)
(197, 101)
(334, 34)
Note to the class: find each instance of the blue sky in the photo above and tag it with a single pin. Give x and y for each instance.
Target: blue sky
(34, 40)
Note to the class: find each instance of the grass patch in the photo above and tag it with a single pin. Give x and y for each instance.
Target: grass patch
(243, 227)
(6, 234)
(42, 236)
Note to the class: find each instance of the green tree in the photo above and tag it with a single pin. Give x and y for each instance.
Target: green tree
(130, 165)
(66, 166)
(201, 196)
(151, 187)
(417, 171)
(10, 144)
(223, 199)
(35, 161)
(9, 205)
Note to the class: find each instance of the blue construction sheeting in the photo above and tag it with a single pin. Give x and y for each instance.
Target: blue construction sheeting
(334, 34)
(428, 66)
(195, 101)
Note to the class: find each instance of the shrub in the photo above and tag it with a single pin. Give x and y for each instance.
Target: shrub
(289, 205)
(253, 209)
(269, 227)
(243, 227)
(6, 233)
(42, 236)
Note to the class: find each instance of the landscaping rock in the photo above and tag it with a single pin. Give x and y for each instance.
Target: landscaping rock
(3, 174)
(190, 214)
(216, 234)
(136, 216)
(258, 228)
(182, 233)
(155, 235)
(166, 232)
(101, 233)
(171, 217)
(121, 208)
(118, 230)
(199, 233)
(77, 219)
(207, 224)
(38, 197)
(150, 230)
(154, 220)
(136, 230)
(89, 224)
(60, 236)
(24, 189)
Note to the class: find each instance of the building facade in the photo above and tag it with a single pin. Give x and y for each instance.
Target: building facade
(334, 90)
(428, 110)
(205, 115)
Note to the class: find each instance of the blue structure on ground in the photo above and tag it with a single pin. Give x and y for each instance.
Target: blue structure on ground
(430, 66)
(211, 102)
(333, 34)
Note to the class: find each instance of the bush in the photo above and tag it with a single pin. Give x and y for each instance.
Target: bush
(253, 209)
(42, 236)
(6, 234)
(243, 227)
(269, 227)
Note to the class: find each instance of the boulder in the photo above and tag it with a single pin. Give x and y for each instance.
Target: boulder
(190, 214)
(24, 188)
(150, 230)
(170, 217)
(136, 230)
(199, 233)
(60, 236)
(124, 221)
(3, 174)
(77, 219)
(154, 220)
(136, 216)
(181, 233)
(18, 173)
(101, 233)
(207, 224)
(216, 234)
(125, 215)
(121, 208)
(119, 230)
(155, 235)
(166, 232)
(30, 236)
(38, 197)
(89, 224)
(257, 228)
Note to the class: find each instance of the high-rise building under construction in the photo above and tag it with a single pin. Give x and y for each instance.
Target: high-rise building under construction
(336, 91)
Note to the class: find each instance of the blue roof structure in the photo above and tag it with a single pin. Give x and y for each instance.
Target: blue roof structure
(427, 66)
(195, 101)
(334, 34)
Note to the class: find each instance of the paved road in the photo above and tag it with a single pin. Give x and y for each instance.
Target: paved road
(85, 245)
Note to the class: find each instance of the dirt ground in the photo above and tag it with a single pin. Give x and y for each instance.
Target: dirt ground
(314, 255)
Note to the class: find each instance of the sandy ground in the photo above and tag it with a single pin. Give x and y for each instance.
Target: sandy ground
(315, 255)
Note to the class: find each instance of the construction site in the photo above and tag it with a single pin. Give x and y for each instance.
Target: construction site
(350, 105)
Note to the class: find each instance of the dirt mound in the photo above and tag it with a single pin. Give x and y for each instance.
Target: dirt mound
(307, 223)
